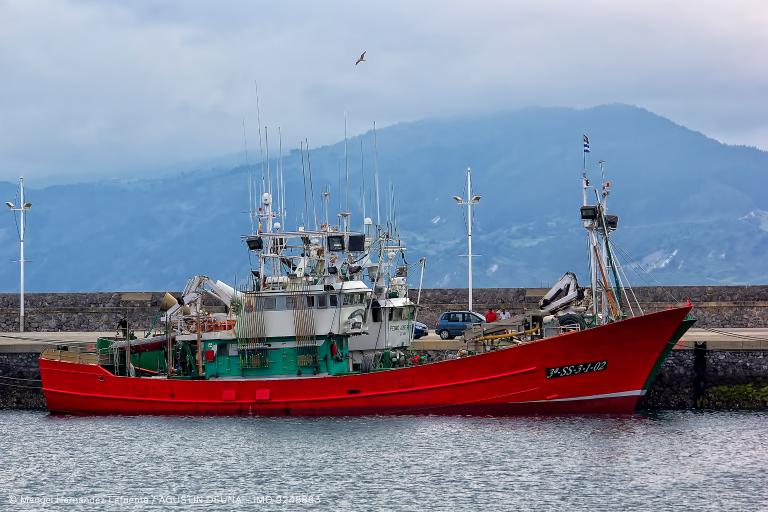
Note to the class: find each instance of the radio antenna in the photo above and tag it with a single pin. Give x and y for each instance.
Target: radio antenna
(376, 173)
(311, 183)
(261, 148)
(249, 177)
(362, 175)
(304, 175)
(346, 168)
(281, 183)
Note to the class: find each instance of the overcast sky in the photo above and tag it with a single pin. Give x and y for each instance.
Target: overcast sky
(102, 88)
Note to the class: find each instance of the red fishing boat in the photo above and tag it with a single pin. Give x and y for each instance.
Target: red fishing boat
(281, 344)
(605, 369)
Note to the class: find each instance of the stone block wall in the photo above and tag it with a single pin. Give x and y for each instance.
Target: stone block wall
(83, 312)
(728, 379)
(714, 306)
(20, 381)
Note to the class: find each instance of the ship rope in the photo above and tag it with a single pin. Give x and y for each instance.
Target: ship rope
(5, 384)
(649, 280)
(628, 285)
(18, 379)
(642, 272)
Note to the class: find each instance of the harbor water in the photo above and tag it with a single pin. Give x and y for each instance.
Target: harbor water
(665, 461)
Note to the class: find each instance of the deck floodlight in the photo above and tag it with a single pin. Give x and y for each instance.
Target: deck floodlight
(476, 199)
(458, 199)
(589, 212)
(9, 204)
(27, 205)
(255, 243)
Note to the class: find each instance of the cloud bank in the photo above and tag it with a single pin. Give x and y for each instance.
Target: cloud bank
(103, 89)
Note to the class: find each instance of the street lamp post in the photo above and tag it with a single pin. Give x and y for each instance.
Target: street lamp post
(22, 209)
(471, 200)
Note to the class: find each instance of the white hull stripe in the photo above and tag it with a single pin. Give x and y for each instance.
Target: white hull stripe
(636, 392)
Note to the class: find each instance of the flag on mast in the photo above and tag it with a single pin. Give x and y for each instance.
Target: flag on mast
(586, 143)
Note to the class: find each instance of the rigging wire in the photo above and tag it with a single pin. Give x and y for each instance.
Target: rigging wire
(647, 277)
(734, 335)
(4, 384)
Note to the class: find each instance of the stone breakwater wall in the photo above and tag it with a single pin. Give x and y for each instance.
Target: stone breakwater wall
(82, 312)
(689, 379)
(20, 381)
(714, 306)
(711, 379)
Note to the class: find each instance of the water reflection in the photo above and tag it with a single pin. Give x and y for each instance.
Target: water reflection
(651, 461)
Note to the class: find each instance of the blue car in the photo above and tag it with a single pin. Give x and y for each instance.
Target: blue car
(419, 330)
(453, 323)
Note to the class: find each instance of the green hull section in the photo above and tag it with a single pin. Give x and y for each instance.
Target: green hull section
(233, 358)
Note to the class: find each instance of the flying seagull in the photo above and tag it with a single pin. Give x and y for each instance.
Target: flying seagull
(360, 59)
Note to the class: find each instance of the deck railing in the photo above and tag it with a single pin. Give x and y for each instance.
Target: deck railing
(72, 356)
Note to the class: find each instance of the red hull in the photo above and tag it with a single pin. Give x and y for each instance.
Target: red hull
(503, 382)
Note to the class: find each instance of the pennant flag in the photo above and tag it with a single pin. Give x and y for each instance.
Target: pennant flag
(586, 144)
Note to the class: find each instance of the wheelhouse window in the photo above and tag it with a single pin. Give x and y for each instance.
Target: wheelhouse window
(336, 243)
(270, 303)
(310, 301)
(322, 301)
(333, 300)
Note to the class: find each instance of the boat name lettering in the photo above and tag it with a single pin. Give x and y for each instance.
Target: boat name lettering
(576, 369)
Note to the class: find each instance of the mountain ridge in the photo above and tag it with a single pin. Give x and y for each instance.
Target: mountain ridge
(684, 200)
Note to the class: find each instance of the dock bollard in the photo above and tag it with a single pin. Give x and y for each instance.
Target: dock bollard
(699, 371)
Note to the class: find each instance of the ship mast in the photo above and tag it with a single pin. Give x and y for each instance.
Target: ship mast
(602, 266)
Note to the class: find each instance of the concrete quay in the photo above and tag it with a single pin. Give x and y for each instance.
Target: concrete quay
(722, 339)
(16, 342)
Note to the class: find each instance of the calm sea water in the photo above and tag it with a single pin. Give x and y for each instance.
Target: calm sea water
(673, 460)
